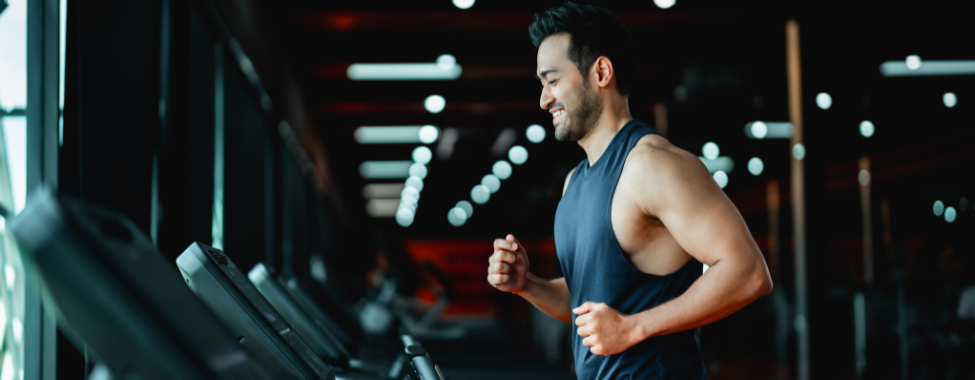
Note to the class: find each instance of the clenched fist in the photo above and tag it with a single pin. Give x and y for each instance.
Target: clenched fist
(508, 266)
(606, 331)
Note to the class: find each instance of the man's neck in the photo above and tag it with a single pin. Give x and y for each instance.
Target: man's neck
(609, 123)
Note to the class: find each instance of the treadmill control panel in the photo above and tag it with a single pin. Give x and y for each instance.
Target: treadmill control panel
(240, 280)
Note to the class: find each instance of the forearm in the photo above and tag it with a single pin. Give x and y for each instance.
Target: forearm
(549, 296)
(724, 289)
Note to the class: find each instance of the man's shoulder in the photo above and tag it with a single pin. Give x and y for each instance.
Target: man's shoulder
(654, 155)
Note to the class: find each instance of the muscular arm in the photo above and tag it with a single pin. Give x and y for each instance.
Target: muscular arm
(682, 194)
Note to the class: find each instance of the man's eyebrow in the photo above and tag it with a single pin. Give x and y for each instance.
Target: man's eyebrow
(545, 72)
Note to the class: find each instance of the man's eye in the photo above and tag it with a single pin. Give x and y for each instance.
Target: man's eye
(551, 82)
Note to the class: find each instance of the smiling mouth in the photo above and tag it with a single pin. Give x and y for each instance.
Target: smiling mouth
(558, 113)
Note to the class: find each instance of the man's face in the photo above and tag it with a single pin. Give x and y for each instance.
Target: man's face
(566, 92)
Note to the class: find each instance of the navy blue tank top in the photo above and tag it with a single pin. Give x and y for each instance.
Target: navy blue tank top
(596, 270)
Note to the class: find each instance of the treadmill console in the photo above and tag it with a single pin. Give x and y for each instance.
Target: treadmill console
(218, 281)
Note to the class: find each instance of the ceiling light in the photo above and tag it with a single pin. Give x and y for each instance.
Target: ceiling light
(502, 169)
(768, 130)
(721, 163)
(418, 170)
(415, 182)
(457, 216)
(446, 62)
(535, 133)
(518, 155)
(382, 208)
(913, 62)
(428, 134)
(480, 194)
(664, 4)
(422, 155)
(756, 166)
(939, 208)
(824, 101)
(949, 99)
(492, 183)
(463, 4)
(950, 214)
(711, 150)
(382, 190)
(866, 128)
(721, 178)
(402, 71)
(404, 217)
(864, 177)
(929, 68)
(385, 169)
(435, 103)
(799, 151)
(467, 206)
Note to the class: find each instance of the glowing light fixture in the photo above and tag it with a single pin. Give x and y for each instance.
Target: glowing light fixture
(756, 166)
(446, 62)
(403, 71)
(535, 133)
(949, 99)
(722, 163)
(913, 62)
(404, 217)
(711, 150)
(939, 208)
(480, 194)
(435, 103)
(799, 151)
(824, 101)
(929, 68)
(721, 178)
(385, 169)
(502, 169)
(428, 134)
(467, 207)
(418, 170)
(491, 182)
(457, 216)
(864, 177)
(463, 4)
(10, 274)
(768, 130)
(422, 155)
(950, 214)
(382, 208)
(415, 182)
(518, 155)
(664, 4)
(382, 190)
(866, 128)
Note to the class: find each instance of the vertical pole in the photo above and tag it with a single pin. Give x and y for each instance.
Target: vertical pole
(865, 207)
(779, 299)
(900, 301)
(794, 74)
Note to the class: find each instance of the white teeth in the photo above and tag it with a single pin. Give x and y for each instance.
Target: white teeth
(558, 113)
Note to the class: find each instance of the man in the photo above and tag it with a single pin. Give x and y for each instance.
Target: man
(636, 221)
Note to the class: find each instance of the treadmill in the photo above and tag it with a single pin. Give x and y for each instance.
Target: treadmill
(221, 285)
(325, 336)
(113, 291)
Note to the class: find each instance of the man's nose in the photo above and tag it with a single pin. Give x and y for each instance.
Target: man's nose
(546, 100)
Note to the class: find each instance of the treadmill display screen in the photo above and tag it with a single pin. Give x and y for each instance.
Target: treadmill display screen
(247, 289)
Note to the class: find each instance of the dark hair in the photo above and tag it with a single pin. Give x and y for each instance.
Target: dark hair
(593, 32)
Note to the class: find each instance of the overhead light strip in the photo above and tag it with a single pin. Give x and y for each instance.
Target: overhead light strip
(403, 71)
(927, 68)
(768, 130)
(385, 169)
(722, 163)
(406, 134)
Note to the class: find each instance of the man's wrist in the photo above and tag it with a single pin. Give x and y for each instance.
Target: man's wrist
(642, 328)
(527, 288)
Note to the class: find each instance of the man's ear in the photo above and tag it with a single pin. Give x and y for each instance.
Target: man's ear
(603, 72)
